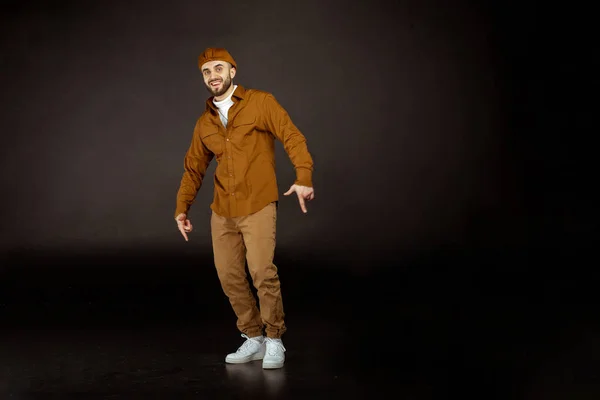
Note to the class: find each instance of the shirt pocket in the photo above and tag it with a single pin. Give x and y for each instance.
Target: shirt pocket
(244, 121)
(213, 141)
(243, 126)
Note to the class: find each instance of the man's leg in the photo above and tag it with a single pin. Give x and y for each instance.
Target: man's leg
(259, 231)
(230, 262)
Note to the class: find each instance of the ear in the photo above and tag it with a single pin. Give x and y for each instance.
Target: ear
(232, 72)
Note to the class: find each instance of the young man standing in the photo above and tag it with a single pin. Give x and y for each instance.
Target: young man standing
(238, 128)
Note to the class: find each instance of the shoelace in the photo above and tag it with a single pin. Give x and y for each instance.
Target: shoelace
(247, 343)
(275, 345)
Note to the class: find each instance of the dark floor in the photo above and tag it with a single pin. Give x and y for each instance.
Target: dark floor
(493, 325)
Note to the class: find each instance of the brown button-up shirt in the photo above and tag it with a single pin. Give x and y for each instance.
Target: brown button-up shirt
(244, 178)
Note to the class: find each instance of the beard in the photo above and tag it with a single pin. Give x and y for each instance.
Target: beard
(218, 92)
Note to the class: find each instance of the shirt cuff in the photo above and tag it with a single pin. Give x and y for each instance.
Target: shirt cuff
(303, 177)
(181, 209)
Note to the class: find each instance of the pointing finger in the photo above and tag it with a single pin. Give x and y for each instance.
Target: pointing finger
(302, 204)
(183, 232)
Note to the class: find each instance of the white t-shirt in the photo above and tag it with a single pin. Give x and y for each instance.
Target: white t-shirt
(224, 106)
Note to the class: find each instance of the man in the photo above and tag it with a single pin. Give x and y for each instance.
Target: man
(238, 128)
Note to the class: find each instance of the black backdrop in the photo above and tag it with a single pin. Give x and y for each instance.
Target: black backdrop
(445, 133)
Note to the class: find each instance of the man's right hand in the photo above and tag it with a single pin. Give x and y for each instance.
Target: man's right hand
(184, 225)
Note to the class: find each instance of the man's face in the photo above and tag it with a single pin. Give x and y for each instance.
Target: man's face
(217, 76)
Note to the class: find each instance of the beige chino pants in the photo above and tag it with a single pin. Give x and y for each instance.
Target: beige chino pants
(250, 239)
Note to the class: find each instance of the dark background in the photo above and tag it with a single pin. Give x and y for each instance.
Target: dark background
(418, 115)
(430, 125)
(452, 171)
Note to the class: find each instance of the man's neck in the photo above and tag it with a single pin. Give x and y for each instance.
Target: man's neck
(226, 94)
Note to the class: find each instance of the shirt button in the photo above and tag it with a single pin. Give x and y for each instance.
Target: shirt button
(233, 194)
(228, 139)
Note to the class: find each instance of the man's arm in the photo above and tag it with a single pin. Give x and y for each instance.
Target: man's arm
(195, 164)
(280, 124)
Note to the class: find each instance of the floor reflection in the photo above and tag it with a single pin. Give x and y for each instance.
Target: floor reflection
(256, 380)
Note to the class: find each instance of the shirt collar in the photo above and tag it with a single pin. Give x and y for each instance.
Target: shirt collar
(238, 94)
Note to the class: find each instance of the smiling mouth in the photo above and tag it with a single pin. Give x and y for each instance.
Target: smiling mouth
(215, 83)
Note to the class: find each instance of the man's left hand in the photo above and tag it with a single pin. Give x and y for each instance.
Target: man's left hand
(304, 193)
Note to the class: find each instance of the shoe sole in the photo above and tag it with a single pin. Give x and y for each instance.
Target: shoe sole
(255, 357)
(272, 365)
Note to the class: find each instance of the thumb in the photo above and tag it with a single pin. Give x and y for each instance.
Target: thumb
(289, 191)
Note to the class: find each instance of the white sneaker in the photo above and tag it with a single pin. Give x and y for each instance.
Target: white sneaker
(275, 354)
(252, 349)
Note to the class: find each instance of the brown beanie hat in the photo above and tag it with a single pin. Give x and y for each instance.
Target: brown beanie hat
(214, 54)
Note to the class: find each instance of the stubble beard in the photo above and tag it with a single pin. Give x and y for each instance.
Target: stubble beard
(224, 88)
